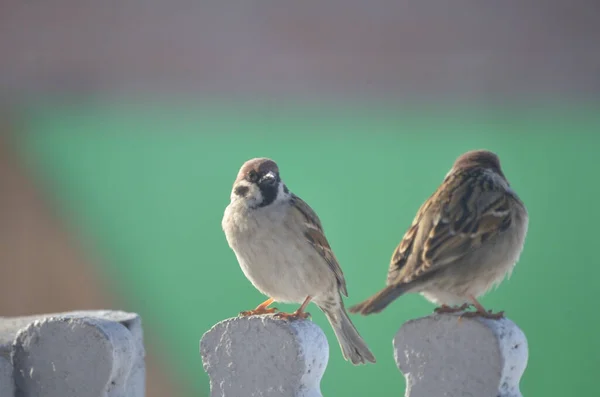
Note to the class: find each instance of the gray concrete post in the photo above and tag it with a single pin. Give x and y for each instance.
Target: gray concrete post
(442, 355)
(77, 354)
(264, 356)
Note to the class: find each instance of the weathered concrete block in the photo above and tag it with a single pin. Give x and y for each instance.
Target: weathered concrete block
(442, 355)
(9, 327)
(7, 383)
(264, 356)
(89, 353)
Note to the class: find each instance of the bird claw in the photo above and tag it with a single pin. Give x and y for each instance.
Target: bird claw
(486, 314)
(293, 316)
(451, 309)
(258, 311)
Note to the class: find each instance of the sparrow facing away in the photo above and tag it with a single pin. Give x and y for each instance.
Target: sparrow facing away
(465, 238)
(281, 247)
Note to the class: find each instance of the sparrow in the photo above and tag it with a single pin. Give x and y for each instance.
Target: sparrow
(464, 239)
(281, 247)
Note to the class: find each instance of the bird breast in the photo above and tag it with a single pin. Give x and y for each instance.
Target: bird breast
(274, 254)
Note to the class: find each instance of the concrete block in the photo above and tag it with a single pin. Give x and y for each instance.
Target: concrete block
(442, 355)
(264, 356)
(7, 382)
(9, 327)
(89, 353)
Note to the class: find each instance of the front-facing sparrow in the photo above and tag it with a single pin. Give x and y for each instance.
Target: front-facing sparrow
(281, 247)
(465, 238)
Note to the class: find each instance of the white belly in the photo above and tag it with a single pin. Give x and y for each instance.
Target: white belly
(276, 258)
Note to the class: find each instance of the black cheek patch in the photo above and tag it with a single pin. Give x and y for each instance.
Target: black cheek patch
(241, 190)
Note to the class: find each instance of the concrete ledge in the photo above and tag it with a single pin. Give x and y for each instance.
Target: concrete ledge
(264, 356)
(90, 353)
(441, 355)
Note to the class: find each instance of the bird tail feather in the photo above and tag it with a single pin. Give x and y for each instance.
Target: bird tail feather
(379, 301)
(353, 346)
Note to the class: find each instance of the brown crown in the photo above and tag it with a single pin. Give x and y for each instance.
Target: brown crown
(478, 158)
(261, 165)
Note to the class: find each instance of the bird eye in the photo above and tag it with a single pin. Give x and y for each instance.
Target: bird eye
(252, 176)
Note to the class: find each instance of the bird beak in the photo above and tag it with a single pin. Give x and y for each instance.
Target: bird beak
(270, 175)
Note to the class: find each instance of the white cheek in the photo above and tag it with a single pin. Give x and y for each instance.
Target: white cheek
(254, 196)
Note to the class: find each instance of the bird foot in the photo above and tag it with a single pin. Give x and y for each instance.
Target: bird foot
(297, 315)
(451, 309)
(258, 311)
(484, 314)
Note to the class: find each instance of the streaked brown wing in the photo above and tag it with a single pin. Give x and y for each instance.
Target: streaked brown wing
(405, 248)
(316, 237)
(473, 211)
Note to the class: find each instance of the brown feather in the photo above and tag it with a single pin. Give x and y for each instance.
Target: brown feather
(316, 237)
(405, 248)
(260, 165)
(454, 222)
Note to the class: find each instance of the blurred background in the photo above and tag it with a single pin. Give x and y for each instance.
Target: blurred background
(124, 123)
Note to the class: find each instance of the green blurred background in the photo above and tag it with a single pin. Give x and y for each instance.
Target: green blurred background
(133, 118)
(145, 188)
